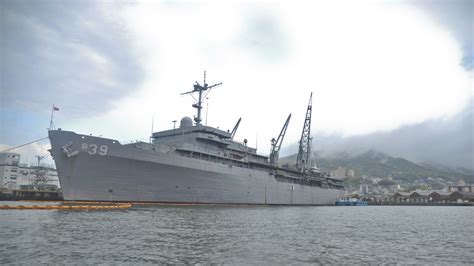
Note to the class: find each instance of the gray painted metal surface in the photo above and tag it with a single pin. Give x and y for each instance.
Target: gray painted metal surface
(191, 164)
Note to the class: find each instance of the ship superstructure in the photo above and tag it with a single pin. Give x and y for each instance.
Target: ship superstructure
(193, 163)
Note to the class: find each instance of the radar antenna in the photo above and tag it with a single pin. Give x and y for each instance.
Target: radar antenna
(232, 134)
(200, 89)
(303, 159)
(276, 144)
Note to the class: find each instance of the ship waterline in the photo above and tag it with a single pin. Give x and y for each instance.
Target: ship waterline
(100, 169)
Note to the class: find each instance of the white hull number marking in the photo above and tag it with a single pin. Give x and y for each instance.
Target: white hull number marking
(94, 149)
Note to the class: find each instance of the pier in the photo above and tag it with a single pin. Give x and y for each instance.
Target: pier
(44, 195)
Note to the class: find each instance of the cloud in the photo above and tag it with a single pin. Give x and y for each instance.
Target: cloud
(17, 127)
(77, 56)
(445, 141)
(372, 66)
(28, 153)
(263, 36)
(457, 16)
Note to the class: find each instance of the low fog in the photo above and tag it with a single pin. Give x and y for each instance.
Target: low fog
(445, 141)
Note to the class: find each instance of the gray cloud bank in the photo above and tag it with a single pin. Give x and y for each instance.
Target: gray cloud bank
(264, 37)
(447, 142)
(75, 54)
(456, 16)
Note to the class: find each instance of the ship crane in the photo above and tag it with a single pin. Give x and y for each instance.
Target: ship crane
(303, 160)
(276, 144)
(200, 89)
(232, 134)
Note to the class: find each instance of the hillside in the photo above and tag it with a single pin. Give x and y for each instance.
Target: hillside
(377, 164)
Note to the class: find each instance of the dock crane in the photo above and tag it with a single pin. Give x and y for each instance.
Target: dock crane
(303, 160)
(276, 144)
(40, 157)
(39, 174)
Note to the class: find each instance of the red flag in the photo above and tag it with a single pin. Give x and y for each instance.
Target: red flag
(55, 108)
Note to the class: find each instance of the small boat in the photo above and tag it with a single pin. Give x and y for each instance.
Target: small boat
(351, 202)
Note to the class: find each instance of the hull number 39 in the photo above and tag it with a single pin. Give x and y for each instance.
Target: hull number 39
(93, 149)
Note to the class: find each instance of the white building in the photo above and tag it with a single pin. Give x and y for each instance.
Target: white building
(9, 164)
(340, 172)
(14, 175)
(350, 173)
(364, 189)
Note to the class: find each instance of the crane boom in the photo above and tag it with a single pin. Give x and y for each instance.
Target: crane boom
(232, 134)
(276, 144)
(303, 160)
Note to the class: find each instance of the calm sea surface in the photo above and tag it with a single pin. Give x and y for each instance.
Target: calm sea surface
(240, 235)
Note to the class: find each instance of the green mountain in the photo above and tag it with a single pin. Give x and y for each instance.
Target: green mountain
(377, 164)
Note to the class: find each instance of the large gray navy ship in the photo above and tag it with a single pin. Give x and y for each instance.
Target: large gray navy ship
(193, 163)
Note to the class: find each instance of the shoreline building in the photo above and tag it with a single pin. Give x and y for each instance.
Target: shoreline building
(364, 189)
(15, 175)
(461, 187)
(340, 172)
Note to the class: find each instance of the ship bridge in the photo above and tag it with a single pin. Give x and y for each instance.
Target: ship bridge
(186, 130)
(206, 140)
(196, 139)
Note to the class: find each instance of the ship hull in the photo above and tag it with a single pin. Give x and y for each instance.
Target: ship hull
(99, 169)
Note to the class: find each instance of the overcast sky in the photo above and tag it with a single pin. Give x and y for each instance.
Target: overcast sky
(109, 66)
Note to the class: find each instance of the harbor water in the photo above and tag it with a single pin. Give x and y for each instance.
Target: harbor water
(240, 235)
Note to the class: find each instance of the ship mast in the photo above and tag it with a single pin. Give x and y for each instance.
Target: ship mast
(303, 159)
(200, 89)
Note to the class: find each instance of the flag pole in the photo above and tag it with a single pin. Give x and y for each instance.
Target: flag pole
(51, 120)
(51, 124)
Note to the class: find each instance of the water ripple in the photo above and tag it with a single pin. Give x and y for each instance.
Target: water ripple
(240, 235)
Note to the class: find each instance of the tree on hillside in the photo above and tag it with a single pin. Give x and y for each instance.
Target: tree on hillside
(386, 183)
